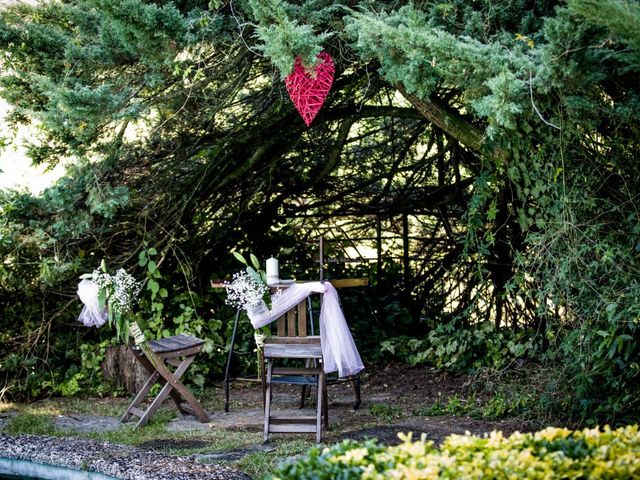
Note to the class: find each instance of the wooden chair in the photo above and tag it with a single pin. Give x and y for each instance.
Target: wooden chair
(156, 356)
(293, 342)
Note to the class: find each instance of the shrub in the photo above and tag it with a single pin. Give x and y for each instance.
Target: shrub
(549, 453)
(464, 349)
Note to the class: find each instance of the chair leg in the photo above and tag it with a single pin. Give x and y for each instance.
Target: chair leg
(263, 374)
(325, 394)
(320, 407)
(154, 405)
(325, 403)
(137, 400)
(356, 390)
(173, 380)
(172, 386)
(267, 403)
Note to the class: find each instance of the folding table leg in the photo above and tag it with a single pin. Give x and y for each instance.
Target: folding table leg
(140, 396)
(173, 380)
(356, 390)
(172, 385)
(227, 370)
(303, 396)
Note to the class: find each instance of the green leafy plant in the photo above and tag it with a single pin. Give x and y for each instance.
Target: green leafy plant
(464, 349)
(549, 453)
(386, 411)
(254, 269)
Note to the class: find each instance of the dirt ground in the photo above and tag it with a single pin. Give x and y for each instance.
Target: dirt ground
(393, 398)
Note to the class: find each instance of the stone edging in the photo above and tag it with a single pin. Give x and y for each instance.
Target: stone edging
(120, 461)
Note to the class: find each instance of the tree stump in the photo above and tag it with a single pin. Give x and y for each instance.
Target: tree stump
(121, 369)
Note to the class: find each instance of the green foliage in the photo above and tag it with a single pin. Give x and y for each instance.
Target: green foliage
(503, 403)
(549, 453)
(619, 16)
(464, 350)
(492, 77)
(386, 411)
(283, 37)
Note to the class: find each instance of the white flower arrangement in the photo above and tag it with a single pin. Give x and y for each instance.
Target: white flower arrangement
(245, 290)
(119, 291)
(249, 290)
(108, 297)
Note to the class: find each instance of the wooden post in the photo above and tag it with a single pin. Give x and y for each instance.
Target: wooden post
(405, 250)
(378, 247)
(321, 258)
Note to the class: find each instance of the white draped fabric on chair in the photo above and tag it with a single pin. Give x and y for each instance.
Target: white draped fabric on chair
(338, 348)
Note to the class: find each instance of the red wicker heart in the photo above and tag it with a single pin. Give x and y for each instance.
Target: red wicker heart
(309, 91)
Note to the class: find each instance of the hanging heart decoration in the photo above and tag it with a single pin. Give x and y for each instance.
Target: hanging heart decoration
(309, 89)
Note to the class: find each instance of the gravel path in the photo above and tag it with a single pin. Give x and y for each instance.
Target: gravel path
(120, 461)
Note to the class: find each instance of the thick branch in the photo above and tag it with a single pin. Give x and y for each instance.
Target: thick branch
(447, 120)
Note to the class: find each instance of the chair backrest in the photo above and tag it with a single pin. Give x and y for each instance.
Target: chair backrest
(299, 321)
(295, 322)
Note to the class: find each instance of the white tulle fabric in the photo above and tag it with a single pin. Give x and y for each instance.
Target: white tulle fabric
(338, 348)
(91, 315)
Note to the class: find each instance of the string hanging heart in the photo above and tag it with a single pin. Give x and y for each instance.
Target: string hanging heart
(309, 89)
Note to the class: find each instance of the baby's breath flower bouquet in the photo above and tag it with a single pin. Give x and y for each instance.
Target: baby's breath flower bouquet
(248, 289)
(244, 291)
(109, 298)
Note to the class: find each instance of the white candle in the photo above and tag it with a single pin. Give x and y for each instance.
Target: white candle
(273, 275)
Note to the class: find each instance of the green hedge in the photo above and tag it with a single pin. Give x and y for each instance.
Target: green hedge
(549, 453)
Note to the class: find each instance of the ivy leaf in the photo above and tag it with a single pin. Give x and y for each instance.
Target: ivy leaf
(153, 286)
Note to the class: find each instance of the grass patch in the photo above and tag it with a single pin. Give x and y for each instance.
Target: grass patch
(31, 424)
(502, 404)
(386, 411)
(259, 464)
(128, 434)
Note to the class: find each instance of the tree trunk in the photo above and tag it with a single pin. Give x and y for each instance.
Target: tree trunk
(121, 369)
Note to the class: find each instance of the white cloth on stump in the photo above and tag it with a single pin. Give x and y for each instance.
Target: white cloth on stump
(339, 351)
